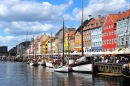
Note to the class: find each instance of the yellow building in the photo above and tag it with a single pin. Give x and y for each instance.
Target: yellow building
(42, 40)
(67, 40)
(78, 42)
(56, 45)
(45, 45)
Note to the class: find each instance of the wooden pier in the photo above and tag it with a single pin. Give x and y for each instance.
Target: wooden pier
(113, 68)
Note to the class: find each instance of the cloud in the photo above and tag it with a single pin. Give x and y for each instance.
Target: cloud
(68, 17)
(21, 28)
(18, 10)
(100, 7)
(17, 17)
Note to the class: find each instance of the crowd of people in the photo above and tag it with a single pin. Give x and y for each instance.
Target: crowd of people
(112, 58)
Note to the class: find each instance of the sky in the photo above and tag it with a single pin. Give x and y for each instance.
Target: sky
(21, 20)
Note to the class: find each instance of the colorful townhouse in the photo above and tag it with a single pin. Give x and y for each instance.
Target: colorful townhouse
(42, 39)
(72, 41)
(45, 46)
(123, 29)
(78, 41)
(87, 34)
(96, 33)
(56, 41)
(37, 46)
(67, 40)
(109, 33)
(51, 46)
(59, 35)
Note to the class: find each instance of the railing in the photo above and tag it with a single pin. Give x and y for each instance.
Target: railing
(109, 67)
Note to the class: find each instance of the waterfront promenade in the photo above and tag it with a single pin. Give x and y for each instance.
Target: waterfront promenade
(22, 74)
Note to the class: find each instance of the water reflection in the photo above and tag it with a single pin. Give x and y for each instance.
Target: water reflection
(22, 74)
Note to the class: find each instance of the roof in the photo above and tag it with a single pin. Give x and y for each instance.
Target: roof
(70, 32)
(85, 23)
(96, 21)
(113, 17)
(124, 14)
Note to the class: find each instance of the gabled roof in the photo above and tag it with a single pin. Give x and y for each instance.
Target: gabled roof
(85, 23)
(65, 29)
(70, 32)
(113, 17)
(96, 21)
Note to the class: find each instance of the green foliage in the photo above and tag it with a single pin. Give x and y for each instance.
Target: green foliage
(119, 49)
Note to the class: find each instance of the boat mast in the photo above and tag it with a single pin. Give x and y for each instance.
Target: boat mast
(33, 48)
(82, 25)
(63, 41)
(26, 43)
(51, 44)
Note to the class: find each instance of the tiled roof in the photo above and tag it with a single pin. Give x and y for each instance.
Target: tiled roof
(95, 21)
(70, 32)
(114, 17)
(85, 23)
(102, 19)
(124, 14)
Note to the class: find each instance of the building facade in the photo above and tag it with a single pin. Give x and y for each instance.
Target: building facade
(109, 33)
(123, 30)
(96, 33)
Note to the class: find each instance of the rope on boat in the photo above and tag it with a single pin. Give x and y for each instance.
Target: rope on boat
(125, 75)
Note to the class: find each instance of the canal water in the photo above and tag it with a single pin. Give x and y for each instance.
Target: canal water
(22, 74)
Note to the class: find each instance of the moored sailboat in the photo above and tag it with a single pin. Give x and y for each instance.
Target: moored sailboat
(83, 64)
(62, 67)
(33, 62)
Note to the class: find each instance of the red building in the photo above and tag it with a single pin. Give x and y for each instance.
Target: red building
(109, 33)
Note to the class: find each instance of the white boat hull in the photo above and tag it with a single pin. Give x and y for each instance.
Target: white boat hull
(62, 69)
(40, 63)
(33, 64)
(83, 68)
(49, 64)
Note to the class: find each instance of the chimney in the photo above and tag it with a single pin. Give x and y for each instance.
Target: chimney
(89, 17)
(99, 16)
